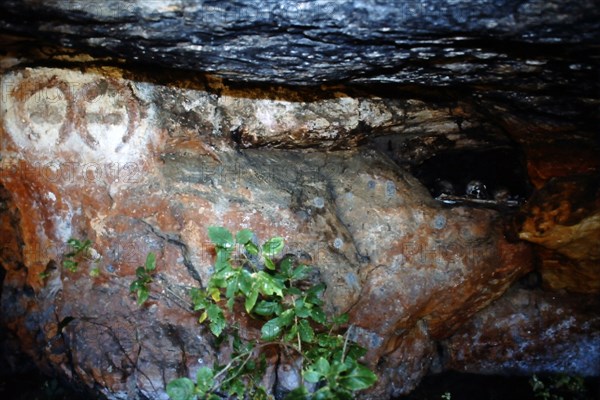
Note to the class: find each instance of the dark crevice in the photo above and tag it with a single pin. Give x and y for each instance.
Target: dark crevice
(175, 240)
(493, 177)
(175, 338)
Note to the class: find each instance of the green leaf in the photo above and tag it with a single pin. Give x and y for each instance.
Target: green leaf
(217, 319)
(268, 285)
(135, 285)
(300, 272)
(269, 263)
(312, 376)
(318, 315)
(74, 243)
(322, 366)
(140, 272)
(355, 351)
(294, 291)
(142, 295)
(301, 310)
(251, 248)
(222, 261)
(341, 319)
(325, 393)
(330, 342)
(230, 303)
(244, 236)
(286, 266)
(273, 246)
(237, 388)
(150, 262)
(214, 294)
(287, 317)
(181, 389)
(338, 367)
(267, 308)
(260, 394)
(272, 329)
(205, 379)
(357, 378)
(203, 317)
(251, 300)
(292, 334)
(70, 265)
(245, 282)
(306, 332)
(199, 301)
(300, 393)
(220, 237)
(232, 287)
(312, 294)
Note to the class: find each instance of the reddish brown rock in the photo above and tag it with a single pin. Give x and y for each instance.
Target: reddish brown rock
(547, 161)
(560, 272)
(564, 218)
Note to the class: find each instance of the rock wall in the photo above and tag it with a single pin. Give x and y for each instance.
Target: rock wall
(139, 167)
(315, 127)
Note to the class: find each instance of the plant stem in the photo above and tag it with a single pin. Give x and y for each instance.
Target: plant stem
(298, 334)
(248, 355)
(347, 336)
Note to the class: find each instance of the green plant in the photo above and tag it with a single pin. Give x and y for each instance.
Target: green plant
(81, 250)
(144, 278)
(447, 396)
(289, 311)
(43, 275)
(558, 387)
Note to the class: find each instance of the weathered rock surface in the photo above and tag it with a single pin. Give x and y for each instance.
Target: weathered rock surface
(323, 41)
(505, 337)
(564, 217)
(303, 128)
(103, 161)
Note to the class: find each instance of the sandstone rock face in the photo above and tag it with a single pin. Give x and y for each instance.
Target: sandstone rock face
(93, 155)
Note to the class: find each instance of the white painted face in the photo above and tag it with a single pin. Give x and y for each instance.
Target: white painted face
(73, 117)
(105, 117)
(45, 112)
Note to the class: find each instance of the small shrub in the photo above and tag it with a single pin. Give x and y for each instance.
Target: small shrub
(289, 309)
(140, 286)
(82, 250)
(558, 387)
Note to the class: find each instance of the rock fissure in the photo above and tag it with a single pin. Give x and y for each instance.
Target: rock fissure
(176, 240)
